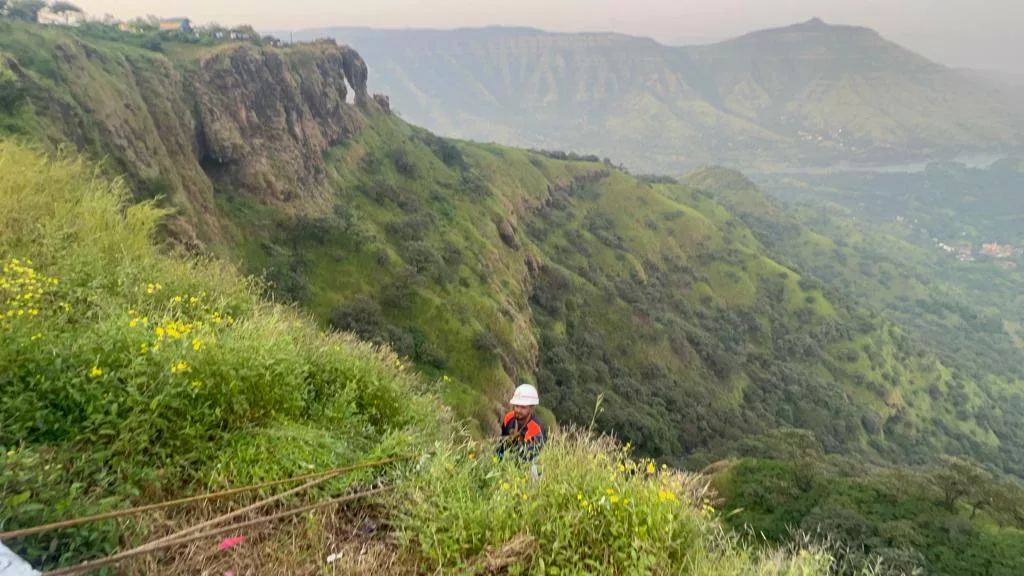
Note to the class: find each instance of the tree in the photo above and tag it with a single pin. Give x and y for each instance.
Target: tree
(64, 8)
(958, 478)
(3, 5)
(27, 10)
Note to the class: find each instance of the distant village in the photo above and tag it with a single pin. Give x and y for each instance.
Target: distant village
(966, 252)
(68, 14)
(969, 252)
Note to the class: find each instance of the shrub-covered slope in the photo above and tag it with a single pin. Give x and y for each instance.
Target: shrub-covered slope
(131, 376)
(487, 265)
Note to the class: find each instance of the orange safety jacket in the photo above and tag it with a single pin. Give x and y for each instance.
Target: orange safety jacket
(526, 441)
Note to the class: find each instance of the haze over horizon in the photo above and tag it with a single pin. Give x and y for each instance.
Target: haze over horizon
(982, 34)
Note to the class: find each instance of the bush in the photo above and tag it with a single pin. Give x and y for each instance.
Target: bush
(404, 165)
(128, 374)
(592, 511)
(486, 342)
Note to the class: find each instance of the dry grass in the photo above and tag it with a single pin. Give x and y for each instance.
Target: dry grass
(343, 541)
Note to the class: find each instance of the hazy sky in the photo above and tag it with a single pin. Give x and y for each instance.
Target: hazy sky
(978, 33)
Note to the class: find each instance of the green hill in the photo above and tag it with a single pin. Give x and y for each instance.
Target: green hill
(134, 377)
(486, 264)
(804, 94)
(659, 311)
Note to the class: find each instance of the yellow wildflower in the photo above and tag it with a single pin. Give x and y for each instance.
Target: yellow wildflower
(196, 345)
(96, 372)
(36, 336)
(650, 467)
(614, 499)
(133, 323)
(472, 456)
(143, 348)
(181, 366)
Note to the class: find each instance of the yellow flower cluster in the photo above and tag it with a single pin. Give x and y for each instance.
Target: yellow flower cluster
(584, 503)
(519, 487)
(187, 318)
(23, 290)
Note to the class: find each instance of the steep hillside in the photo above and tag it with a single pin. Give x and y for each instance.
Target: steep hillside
(133, 377)
(488, 265)
(967, 312)
(803, 94)
(176, 127)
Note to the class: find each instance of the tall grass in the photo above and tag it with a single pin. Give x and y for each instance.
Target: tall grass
(131, 375)
(592, 511)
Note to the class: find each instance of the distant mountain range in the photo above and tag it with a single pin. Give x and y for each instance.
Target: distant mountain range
(811, 93)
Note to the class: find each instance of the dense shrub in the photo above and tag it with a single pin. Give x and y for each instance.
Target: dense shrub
(127, 373)
(592, 511)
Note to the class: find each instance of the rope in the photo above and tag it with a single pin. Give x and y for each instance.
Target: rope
(154, 546)
(199, 498)
(236, 513)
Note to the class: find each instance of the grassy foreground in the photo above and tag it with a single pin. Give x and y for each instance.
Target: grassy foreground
(133, 376)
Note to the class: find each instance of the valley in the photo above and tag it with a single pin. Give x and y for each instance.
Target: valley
(356, 286)
(811, 94)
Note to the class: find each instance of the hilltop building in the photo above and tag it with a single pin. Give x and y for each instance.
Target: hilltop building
(175, 25)
(997, 250)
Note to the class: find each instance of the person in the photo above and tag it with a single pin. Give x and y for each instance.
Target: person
(521, 433)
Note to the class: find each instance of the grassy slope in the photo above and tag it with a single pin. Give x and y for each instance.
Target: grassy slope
(485, 265)
(420, 237)
(132, 376)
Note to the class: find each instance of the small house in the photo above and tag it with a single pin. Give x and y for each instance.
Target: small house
(175, 25)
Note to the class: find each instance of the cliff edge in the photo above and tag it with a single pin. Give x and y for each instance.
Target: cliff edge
(186, 125)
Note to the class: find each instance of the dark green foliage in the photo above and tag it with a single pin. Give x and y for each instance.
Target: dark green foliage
(445, 150)
(27, 10)
(486, 342)
(571, 156)
(152, 44)
(902, 515)
(403, 164)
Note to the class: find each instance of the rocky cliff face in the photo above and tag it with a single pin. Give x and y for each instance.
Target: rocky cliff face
(249, 119)
(267, 116)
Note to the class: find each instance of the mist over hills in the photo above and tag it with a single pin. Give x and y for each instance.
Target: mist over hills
(810, 93)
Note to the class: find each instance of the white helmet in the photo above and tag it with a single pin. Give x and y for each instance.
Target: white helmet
(526, 395)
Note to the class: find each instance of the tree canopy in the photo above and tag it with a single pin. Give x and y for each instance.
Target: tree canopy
(27, 10)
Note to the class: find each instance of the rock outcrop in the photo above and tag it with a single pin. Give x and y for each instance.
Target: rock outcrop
(244, 118)
(268, 115)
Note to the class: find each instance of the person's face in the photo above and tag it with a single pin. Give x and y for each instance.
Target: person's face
(523, 413)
